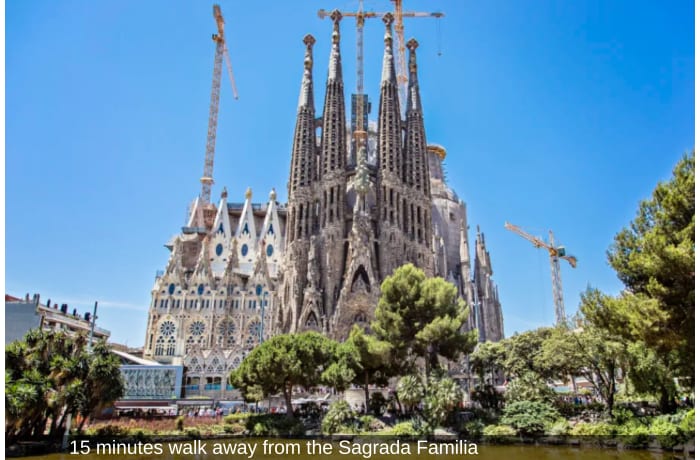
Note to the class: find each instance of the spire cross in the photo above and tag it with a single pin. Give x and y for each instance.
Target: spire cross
(388, 20)
(412, 44)
(336, 16)
(309, 41)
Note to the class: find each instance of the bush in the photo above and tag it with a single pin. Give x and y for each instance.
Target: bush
(600, 429)
(560, 427)
(404, 429)
(369, 423)
(474, 428)
(666, 432)
(180, 423)
(529, 417)
(274, 425)
(687, 424)
(235, 428)
(498, 433)
(634, 434)
(111, 431)
(193, 433)
(339, 414)
(622, 415)
(237, 417)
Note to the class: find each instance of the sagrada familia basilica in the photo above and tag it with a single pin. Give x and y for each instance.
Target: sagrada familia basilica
(361, 202)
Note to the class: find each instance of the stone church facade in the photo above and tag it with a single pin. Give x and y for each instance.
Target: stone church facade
(241, 272)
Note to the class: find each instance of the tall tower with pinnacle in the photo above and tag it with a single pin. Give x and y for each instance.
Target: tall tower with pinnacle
(359, 222)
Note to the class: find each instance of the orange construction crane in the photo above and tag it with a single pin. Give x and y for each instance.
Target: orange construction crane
(400, 45)
(555, 253)
(221, 53)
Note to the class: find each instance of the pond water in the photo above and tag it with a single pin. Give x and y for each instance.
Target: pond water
(349, 450)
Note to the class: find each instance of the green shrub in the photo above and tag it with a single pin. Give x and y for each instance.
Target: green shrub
(338, 415)
(666, 432)
(193, 433)
(259, 429)
(180, 423)
(274, 425)
(140, 434)
(404, 429)
(529, 417)
(622, 415)
(111, 431)
(235, 428)
(236, 417)
(634, 434)
(498, 433)
(687, 423)
(600, 429)
(474, 428)
(370, 423)
(559, 427)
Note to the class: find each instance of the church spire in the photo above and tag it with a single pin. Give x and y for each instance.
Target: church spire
(306, 95)
(416, 161)
(389, 112)
(333, 150)
(388, 67)
(304, 148)
(413, 93)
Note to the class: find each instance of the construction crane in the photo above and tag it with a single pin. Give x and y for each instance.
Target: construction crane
(555, 253)
(400, 46)
(220, 54)
(361, 108)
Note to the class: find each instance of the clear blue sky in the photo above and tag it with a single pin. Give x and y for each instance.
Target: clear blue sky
(555, 114)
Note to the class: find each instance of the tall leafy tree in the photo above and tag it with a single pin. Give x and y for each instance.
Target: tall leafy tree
(372, 358)
(488, 359)
(590, 351)
(283, 362)
(523, 354)
(655, 258)
(422, 317)
(50, 376)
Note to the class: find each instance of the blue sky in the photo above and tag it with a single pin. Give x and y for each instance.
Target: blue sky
(557, 115)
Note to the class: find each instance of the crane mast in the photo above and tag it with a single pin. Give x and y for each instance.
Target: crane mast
(221, 51)
(555, 253)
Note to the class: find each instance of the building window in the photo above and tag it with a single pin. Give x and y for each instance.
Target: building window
(171, 346)
(160, 343)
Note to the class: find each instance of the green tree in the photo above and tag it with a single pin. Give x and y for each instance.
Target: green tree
(422, 317)
(523, 354)
(655, 259)
(529, 417)
(488, 358)
(442, 395)
(373, 357)
(529, 386)
(283, 362)
(409, 391)
(649, 374)
(591, 351)
(50, 376)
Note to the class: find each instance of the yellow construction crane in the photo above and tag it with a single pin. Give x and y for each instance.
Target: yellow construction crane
(555, 253)
(400, 45)
(221, 53)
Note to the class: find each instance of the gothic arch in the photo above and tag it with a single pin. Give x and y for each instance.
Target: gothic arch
(360, 276)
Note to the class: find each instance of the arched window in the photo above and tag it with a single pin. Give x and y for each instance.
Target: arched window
(171, 346)
(160, 344)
